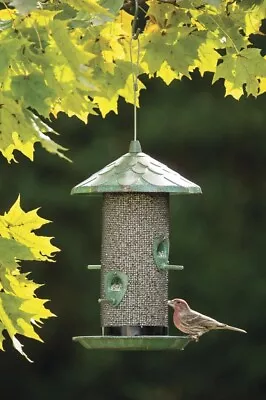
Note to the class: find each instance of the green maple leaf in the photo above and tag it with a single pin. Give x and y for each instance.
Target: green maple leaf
(225, 29)
(242, 69)
(34, 92)
(9, 48)
(183, 54)
(10, 246)
(180, 55)
(155, 51)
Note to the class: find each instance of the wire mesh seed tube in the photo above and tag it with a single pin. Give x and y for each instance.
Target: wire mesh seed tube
(131, 222)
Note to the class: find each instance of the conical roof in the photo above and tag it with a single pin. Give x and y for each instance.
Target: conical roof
(136, 172)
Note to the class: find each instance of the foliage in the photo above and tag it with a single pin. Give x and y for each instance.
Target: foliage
(74, 57)
(19, 306)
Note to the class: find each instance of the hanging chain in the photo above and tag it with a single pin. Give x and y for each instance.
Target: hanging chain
(135, 67)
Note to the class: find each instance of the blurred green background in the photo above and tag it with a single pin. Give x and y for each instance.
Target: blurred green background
(219, 237)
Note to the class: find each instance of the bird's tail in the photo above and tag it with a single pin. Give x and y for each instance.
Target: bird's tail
(232, 328)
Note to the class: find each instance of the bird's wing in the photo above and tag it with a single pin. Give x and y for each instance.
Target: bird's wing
(202, 320)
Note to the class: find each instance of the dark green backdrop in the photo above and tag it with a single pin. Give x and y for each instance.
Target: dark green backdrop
(219, 237)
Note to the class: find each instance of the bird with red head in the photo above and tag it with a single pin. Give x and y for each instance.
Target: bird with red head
(193, 323)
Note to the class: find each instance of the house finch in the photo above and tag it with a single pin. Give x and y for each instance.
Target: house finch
(192, 322)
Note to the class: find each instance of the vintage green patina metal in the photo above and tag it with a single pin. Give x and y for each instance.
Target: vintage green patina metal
(161, 247)
(133, 342)
(136, 172)
(115, 286)
(135, 252)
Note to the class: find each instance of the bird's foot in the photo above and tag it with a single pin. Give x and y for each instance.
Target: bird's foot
(194, 337)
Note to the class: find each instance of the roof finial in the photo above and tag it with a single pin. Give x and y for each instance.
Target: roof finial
(135, 147)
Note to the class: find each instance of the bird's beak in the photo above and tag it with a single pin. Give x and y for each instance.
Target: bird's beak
(170, 303)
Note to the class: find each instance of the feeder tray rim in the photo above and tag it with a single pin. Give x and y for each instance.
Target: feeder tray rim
(154, 342)
(98, 190)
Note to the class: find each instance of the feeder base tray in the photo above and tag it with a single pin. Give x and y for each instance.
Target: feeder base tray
(133, 342)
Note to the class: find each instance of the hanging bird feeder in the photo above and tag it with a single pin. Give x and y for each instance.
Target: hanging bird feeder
(135, 243)
(135, 251)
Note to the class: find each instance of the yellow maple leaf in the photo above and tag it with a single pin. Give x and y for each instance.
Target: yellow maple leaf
(1, 336)
(231, 90)
(167, 73)
(262, 85)
(106, 105)
(18, 225)
(125, 19)
(20, 308)
(254, 17)
(208, 57)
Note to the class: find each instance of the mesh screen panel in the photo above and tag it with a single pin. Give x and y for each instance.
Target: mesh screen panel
(131, 222)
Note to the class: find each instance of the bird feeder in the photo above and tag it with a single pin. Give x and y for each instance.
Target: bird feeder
(135, 251)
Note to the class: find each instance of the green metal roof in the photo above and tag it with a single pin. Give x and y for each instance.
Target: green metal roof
(136, 172)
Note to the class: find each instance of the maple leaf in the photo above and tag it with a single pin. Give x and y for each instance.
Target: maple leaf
(223, 26)
(18, 225)
(34, 92)
(167, 73)
(73, 56)
(262, 85)
(20, 309)
(155, 51)
(9, 48)
(47, 143)
(21, 129)
(242, 69)
(254, 14)
(207, 57)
